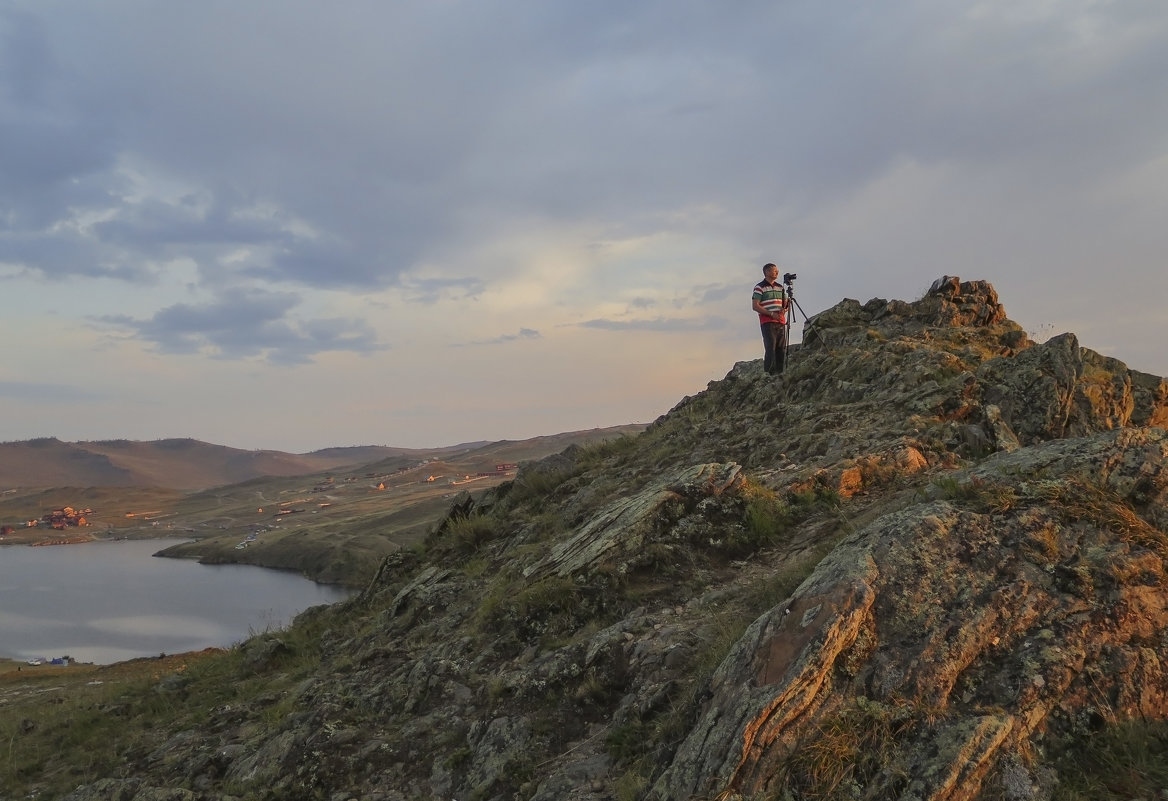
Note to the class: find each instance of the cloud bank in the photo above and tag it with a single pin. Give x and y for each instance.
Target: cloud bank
(229, 191)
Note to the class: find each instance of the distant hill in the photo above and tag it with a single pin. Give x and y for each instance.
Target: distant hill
(188, 464)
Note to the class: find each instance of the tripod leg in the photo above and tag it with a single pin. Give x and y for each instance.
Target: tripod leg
(782, 360)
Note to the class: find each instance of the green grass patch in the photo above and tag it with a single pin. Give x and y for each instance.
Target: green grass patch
(467, 535)
(814, 499)
(1124, 762)
(768, 518)
(983, 496)
(595, 453)
(533, 487)
(60, 731)
(551, 610)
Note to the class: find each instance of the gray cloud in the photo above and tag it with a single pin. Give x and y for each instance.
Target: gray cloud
(658, 324)
(714, 293)
(62, 254)
(429, 290)
(524, 334)
(247, 324)
(621, 113)
(185, 223)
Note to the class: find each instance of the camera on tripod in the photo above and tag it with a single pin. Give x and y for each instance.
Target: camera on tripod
(789, 278)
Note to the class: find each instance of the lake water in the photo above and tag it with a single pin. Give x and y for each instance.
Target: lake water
(110, 601)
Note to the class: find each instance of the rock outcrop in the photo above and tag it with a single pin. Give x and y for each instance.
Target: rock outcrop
(922, 564)
(1027, 604)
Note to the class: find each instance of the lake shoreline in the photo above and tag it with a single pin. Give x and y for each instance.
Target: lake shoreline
(113, 601)
(201, 551)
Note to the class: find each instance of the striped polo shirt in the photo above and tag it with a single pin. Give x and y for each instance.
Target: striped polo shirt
(772, 297)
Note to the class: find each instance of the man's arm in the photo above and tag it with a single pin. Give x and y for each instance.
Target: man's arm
(764, 311)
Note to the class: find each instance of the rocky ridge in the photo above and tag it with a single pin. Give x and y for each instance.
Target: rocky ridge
(922, 564)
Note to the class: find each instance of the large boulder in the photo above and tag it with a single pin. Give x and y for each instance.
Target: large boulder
(1059, 389)
(957, 629)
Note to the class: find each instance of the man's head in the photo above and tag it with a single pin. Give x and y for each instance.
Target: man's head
(770, 272)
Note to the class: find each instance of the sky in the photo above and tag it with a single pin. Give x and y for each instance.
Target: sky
(292, 225)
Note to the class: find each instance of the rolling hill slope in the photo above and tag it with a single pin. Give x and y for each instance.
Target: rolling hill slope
(188, 464)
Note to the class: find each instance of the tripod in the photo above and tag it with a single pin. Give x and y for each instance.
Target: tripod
(789, 282)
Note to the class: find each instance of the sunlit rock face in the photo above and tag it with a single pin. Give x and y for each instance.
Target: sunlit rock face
(973, 624)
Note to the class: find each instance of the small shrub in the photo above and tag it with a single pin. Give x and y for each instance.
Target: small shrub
(1099, 506)
(475, 567)
(1041, 544)
(548, 609)
(630, 785)
(457, 759)
(626, 742)
(949, 488)
(814, 499)
(548, 525)
(534, 485)
(851, 750)
(593, 690)
(471, 533)
(489, 609)
(657, 559)
(767, 519)
(549, 596)
(466, 535)
(496, 689)
(596, 452)
(983, 496)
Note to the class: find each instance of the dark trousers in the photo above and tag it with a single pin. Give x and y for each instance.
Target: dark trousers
(774, 347)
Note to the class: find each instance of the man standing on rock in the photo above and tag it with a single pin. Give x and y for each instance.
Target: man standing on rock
(770, 301)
